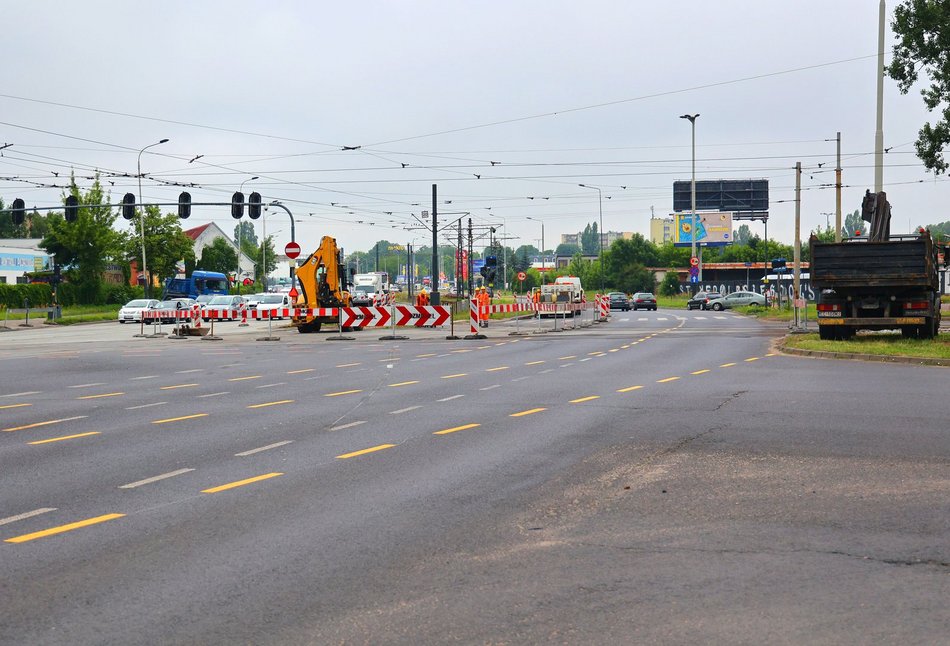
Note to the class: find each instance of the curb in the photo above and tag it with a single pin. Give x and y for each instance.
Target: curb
(857, 356)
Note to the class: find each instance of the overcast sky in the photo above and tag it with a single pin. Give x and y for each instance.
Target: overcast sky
(555, 93)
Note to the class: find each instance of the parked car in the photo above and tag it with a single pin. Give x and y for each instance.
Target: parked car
(272, 303)
(168, 310)
(223, 305)
(252, 300)
(203, 299)
(736, 299)
(700, 299)
(131, 312)
(619, 301)
(644, 301)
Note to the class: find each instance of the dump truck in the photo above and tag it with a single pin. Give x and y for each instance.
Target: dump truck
(878, 282)
(323, 281)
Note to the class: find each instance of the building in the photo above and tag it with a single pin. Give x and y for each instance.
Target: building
(661, 230)
(609, 237)
(19, 256)
(206, 234)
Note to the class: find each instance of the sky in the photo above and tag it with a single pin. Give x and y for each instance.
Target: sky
(506, 106)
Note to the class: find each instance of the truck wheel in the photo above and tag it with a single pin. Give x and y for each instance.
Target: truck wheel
(925, 331)
(307, 328)
(826, 333)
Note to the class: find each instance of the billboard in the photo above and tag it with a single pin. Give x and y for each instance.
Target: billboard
(739, 195)
(713, 229)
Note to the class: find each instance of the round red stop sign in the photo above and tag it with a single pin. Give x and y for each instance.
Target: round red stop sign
(292, 250)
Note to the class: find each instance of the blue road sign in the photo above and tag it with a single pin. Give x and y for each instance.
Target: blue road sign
(694, 271)
(694, 279)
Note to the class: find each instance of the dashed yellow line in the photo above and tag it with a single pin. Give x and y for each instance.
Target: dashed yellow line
(614, 350)
(595, 354)
(343, 392)
(47, 423)
(65, 437)
(570, 356)
(751, 359)
(727, 365)
(14, 406)
(245, 378)
(456, 428)
(699, 372)
(530, 411)
(584, 399)
(496, 369)
(461, 374)
(179, 419)
(667, 380)
(277, 403)
(422, 356)
(770, 354)
(629, 388)
(63, 528)
(403, 383)
(241, 483)
(348, 365)
(99, 396)
(178, 386)
(372, 449)
(534, 363)
(297, 372)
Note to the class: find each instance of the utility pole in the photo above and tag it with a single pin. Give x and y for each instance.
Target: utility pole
(879, 131)
(796, 289)
(435, 248)
(838, 193)
(471, 278)
(459, 267)
(377, 257)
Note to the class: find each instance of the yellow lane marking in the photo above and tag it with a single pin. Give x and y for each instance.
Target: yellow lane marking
(534, 363)
(178, 386)
(727, 365)
(595, 354)
(421, 356)
(770, 354)
(343, 392)
(570, 356)
(98, 396)
(461, 374)
(277, 403)
(348, 365)
(456, 428)
(628, 389)
(614, 350)
(496, 369)
(37, 424)
(403, 383)
(460, 351)
(241, 483)
(624, 347)
(245, 378)
(65, 437)
(530, 411)
(667, 380)
(584, 399)
(14, 406)
(297, 372)
(699, 372)
(63, 528)
(178, 419)
(390, 359)
(752, 359)
(365, 451)
(644, 338)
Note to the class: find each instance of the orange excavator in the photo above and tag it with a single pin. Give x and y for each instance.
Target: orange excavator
(323, 281)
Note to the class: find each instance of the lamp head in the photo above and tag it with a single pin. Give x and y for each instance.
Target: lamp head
(163, 141)
(691, 117)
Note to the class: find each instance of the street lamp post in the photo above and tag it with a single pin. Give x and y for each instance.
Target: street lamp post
(528, 217)
(692, 232)
(600, 232)
(240, 234)
(148, 285)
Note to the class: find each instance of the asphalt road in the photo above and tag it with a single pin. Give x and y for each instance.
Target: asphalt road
(665, 477)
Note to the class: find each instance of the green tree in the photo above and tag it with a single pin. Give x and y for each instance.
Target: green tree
(166, 245)
(260, 257)
(923, 31)
(852, 224)
(672, 256)
(219, 256)
(670, 285)
(743, 235)
(246, 236)
(567, 249)
(589, 243)
(84, 247)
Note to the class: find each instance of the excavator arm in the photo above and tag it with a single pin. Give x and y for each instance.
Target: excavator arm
(322, 279)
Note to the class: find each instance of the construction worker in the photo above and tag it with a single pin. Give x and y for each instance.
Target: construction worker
(422, 298)
(484, 301)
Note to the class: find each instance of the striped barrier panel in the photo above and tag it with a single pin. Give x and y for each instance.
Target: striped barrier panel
(400, 316)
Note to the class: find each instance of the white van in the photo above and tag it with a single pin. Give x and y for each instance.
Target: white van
(574, 282)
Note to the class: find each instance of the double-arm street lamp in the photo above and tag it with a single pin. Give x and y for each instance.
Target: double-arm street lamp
(148, 285)
(692, 230)
(600, 231)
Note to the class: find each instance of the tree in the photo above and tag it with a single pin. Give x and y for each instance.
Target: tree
(84, 247)
(270, 258)
(940, 231)
(166, 245)
(246, 236)
(670, 285)
(589, 242)
(743, 235)
(632, 278)
(923, 30)
(852, 224)
(219, 256)
(567, 249)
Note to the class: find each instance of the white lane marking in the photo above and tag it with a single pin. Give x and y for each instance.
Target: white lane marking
(262, 448)
(565, 365)
(28, 514)
(98, 383)
(214, 394)
(699, 318)
(170, 474)
(403, 410)
(544, 371)
(317, 377)
(624, 320)
(29, 392)
(185, 372)
(145, 377)
(521, 378)
(643, 318)
(663, 318)
(721, 318)
(442, 355)
(350, 425)
(582, 360)
(279, 383)
(447, 399)
(145, 406)
(491, 387)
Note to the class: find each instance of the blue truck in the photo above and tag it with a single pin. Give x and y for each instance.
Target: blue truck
(200, 282)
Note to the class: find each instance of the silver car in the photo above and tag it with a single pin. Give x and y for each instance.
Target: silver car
(736, 299)
(131, 312)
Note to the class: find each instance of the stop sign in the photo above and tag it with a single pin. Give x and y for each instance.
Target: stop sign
(292, 250)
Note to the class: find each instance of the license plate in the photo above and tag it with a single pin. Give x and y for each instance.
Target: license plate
(829, 315)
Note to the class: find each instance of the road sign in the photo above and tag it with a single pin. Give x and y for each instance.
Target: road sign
(522, 275)
(293, 294)
(292, 250)
(694, 278)
(694, 271)
(694, 262)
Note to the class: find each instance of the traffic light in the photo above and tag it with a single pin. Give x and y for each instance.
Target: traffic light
(778, 264)
(72, 208)
(128, 206)
(237, 205)
(254, 205)
(18, 212)
(184, 205)
(491, 261)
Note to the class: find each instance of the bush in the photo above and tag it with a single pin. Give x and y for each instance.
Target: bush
(38, 294)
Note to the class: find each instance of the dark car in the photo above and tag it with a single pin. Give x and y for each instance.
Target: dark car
(644, 301)
(173, 310)
(700, 300)
(619, 301)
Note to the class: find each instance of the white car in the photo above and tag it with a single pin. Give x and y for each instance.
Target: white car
(131, 312)
(254, 299)
(272, 303)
